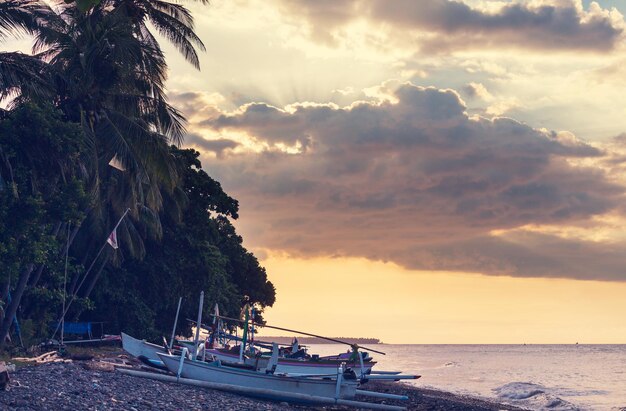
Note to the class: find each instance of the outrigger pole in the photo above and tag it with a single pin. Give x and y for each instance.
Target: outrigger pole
(301, 332)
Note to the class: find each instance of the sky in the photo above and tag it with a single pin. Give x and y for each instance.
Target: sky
(422, 172)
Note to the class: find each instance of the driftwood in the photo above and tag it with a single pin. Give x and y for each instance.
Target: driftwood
(46, 358)
(42, 357)
(108, 364)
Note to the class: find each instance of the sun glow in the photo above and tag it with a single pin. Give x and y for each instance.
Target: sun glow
(361, 298)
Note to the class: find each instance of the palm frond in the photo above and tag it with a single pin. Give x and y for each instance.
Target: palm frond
(180, 35)
(23, 74)
(18, 16)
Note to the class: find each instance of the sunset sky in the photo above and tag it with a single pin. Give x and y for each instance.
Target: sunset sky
(429, 171)
(422, 171)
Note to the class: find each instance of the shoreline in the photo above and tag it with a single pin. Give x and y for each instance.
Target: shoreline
(430, 399)
(95, 385)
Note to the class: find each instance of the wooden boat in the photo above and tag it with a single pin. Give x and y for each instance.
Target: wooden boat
(143, 350)
(339, 388)
(343, 388)
(293, 359)
(312, 365)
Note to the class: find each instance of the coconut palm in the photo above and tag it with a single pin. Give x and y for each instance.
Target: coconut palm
(112, 82)
(172, 21)
(107, 72)
(16, 16)
(21, 73)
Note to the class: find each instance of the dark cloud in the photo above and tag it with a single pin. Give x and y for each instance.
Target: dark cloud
(522, 254)
(217, 146)
(419, 182)
(457, 25)
(191, 103)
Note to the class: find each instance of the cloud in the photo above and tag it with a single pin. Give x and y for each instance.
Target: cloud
(522, 254)
(415, 180)
(216, 146)
(444, 25)
(614, 73)
(477, 91)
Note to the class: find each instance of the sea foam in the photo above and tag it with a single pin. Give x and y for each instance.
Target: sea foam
(532, 395)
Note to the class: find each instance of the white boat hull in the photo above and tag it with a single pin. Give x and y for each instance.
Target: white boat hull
(211, 372)
(310, 367)
(141, 348)
(291, 366)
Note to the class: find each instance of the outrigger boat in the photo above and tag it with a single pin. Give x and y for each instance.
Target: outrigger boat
(303, 364)
(147, 352)
(339, 387)
(144, 351)
(293, 359)
(228, 374)
(293, 366)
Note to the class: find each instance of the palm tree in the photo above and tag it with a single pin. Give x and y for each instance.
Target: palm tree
(107, 72)
(20, 73)
(18, 16)
(173, 21)
(111, 79)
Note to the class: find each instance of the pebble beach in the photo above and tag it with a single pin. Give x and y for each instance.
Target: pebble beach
(96, 385)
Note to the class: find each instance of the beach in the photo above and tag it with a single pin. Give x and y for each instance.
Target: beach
(95, 385)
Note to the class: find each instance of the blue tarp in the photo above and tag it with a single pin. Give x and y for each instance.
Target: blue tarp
(78, 328)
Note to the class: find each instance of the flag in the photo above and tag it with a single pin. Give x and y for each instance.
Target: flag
(112, 240)
(116, 163)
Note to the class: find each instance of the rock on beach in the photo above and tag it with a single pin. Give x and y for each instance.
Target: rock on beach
(72, 386)
(87, 385)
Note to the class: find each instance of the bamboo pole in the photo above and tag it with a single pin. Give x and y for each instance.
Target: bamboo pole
(396, 377)
(180, 300)
(261, 392)
(303, 333)
(375, 394)
(195, 341)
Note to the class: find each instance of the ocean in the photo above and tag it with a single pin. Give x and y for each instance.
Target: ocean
(537, 377)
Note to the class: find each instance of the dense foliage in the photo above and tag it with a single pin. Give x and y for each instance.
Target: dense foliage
(88, 136)
(198, 251)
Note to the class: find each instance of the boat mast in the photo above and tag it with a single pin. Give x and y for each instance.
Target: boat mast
(180, 300)
(242, 346)
(195, 342)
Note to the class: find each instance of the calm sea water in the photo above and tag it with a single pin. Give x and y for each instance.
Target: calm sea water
(538, 377)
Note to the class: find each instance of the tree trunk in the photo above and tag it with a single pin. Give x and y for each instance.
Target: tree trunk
(3, 297)
(5, 291)
(38, 275)
(9, 313)
(74, 232)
